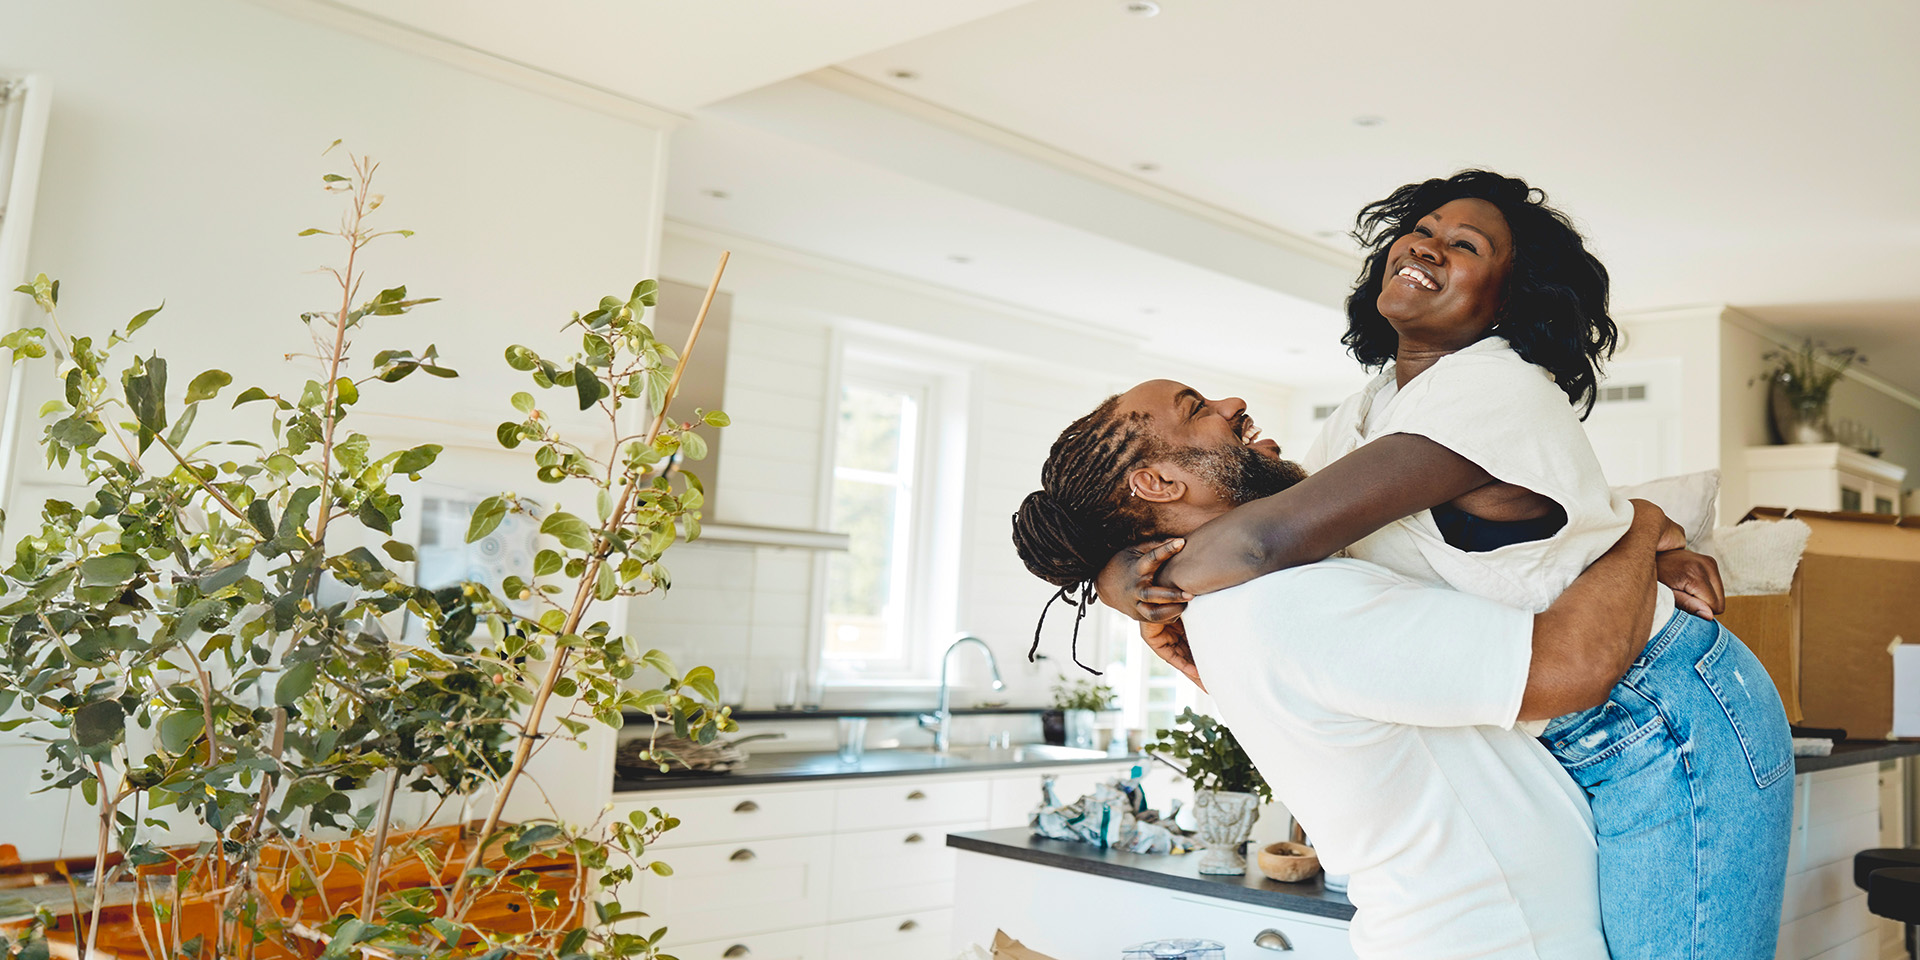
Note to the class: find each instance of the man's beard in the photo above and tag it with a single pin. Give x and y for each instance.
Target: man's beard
(1240, 473)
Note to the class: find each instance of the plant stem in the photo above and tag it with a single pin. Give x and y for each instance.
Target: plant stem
(370, 888)
(347, 286)
(457, 904)
(99, 861)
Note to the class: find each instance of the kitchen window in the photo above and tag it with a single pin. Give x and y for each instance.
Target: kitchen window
(892, 492)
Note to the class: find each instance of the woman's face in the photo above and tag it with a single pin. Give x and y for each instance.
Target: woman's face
(1445, 277)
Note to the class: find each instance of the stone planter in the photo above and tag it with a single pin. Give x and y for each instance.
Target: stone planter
(1053, 727)
(1796, 423)
(1225, 821)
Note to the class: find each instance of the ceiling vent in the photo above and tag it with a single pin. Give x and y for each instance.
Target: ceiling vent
(1622, 393)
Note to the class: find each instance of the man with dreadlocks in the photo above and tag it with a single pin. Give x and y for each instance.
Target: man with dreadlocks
(1381, 710)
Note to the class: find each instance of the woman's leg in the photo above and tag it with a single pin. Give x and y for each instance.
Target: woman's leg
(1688, 767)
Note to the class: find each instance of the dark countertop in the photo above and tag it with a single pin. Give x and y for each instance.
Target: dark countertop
(1847, 753)
(1171, 872)
(764, 768)
(834, 713)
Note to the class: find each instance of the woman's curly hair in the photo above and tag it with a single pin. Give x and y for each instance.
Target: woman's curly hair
(1554, 308)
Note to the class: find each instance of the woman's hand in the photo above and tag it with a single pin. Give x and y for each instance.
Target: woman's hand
(1169, 642)
(1126, 583)
(1695, 580)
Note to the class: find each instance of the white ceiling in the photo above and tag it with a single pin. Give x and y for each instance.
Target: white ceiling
(677, 54)
(1757, 153)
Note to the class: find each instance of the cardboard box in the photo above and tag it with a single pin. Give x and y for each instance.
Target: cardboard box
(1829, 644)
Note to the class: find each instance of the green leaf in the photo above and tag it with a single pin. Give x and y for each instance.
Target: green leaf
(179, 730)
(702, 681)
(261, 517)
(112, 568)
(371, 516)
(75, 431)
(140, 319)
(310, 232)
(297, 508)
(508, 434)
(26, 342)
(693, 446)
(208, 385)
(100, 722)
(295, 681)
(605, 585)
(568, 529)
(417, 459)
(224, 577)
(345, 391)
(715, 418)
(660, 868)
(177, 437)
(250, 395)
(589, 386)
(547, 562)
(333, 178)
(523, 402)
(486, 518)
(402, 552)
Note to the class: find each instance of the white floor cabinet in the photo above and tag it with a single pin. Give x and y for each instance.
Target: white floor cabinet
(850, 869)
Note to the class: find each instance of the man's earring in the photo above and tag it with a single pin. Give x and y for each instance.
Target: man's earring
(1131, 493)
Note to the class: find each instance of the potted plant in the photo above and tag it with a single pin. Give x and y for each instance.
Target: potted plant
(211, 639)
(1800, 383)
(1077, 701)
(1227, 790)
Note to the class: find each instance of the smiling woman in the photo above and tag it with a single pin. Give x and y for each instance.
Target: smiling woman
(1475, 253)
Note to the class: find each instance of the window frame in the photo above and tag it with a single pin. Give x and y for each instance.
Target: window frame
(933, 564)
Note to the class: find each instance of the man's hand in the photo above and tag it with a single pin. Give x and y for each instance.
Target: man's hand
(1169, 642)
(1126, 583)
(1695, 580)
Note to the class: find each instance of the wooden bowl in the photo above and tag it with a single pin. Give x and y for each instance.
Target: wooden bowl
(1289, 862)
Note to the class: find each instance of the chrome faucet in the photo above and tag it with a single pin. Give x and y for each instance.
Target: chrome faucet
(940, 721)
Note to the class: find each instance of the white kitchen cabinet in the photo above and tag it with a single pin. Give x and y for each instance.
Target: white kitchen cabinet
(828, 869)
(910, 935)
(1822, 476)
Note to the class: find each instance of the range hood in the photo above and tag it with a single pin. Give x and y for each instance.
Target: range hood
(704, 386)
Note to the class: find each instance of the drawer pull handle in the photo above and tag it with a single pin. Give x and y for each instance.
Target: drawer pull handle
(1271, 939)
(738, 950)
(916, 795)
(909, 925)
(741, 856)
(913, 838)
(745, 806)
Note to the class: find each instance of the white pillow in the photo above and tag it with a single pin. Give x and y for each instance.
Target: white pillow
(1687, 499)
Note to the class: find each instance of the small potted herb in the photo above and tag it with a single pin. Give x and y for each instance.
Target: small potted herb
(1074, 704)
(1227, 790)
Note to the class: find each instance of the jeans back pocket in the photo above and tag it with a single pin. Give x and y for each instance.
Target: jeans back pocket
(1609, 741)
(1740, 683)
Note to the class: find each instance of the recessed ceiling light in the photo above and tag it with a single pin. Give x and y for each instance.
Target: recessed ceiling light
(1296, 351)
(1149, 311)
(1147, 167)
(959, 258)
(1368, 120)
(903, 74)
(1141, 8)
(716, 194)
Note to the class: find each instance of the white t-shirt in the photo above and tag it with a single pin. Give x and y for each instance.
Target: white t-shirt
(1380, 711)
(1490, 406)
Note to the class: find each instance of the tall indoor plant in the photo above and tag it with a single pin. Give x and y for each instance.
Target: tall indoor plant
(211, 639)
(1227, 789)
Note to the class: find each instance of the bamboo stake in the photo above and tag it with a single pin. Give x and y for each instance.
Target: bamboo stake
(583, 595)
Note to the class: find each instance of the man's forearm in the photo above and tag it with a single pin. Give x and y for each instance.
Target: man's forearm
(1587, 639)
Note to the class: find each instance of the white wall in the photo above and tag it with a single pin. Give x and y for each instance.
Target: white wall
(1029, 377)
(183, 155)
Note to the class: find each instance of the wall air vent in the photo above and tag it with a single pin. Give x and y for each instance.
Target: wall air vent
(1622, 393)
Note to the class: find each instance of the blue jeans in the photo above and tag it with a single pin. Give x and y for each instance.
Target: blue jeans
(1689, 769)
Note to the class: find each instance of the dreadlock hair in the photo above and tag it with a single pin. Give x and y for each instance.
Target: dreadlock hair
(1067, 530)
(1554, 308)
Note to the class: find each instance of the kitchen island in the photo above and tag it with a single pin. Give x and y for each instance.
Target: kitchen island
(1072, 900)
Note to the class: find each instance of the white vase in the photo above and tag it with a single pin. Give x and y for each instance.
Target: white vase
(1225, 821)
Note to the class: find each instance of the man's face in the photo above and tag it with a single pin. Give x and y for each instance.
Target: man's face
(1213, 447)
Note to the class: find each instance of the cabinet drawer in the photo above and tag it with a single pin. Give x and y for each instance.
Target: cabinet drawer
(910, 936)
(884, 872)
(911, 803)
(808, 944)
(735, 889)
(746, 815)
(1253, 932)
